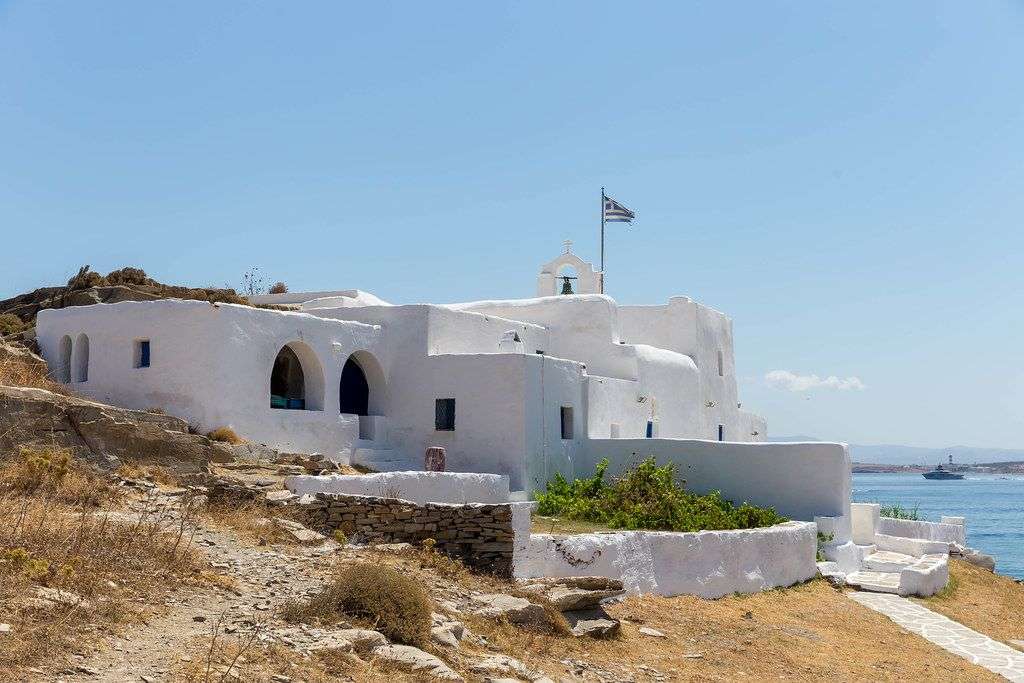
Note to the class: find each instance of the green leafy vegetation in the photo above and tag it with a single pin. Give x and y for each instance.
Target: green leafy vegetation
(647, 497)
(823, 540)
(897, 511)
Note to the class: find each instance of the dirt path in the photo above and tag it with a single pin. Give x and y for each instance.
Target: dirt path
(264, 578)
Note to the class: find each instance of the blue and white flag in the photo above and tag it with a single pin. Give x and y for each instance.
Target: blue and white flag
(616, 213)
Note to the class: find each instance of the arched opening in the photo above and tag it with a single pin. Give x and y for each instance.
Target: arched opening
(81, 358)
(362, 390)
(64, 367)
(296, 380)
(566, 279)
(355, 391)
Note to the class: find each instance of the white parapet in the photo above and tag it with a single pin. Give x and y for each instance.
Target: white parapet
(864, 517)
(928, 531)
(415, 486)
(708, 564)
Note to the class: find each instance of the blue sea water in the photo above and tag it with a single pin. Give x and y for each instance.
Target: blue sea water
(993, 505)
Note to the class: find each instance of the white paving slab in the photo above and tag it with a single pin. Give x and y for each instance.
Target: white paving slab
(947, 634)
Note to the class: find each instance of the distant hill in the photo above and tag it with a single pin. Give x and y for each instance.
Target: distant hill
(894, 454)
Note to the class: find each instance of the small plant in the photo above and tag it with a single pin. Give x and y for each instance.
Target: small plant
(897, 511)
(128, 276)
(340, 537)
(647, 497)
(278, 288)
(395, 604)
(225, 435)
(20, 561)
(823, 540)
(252, 283)
(447, 567)
(41, 467)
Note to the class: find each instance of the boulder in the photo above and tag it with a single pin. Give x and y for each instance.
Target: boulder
(575, 592)
(362, 639)
(596, 628)
(979, 559)
(515, 610)
(100, 433)
(415, 660)
(503, 665)
(299, 532)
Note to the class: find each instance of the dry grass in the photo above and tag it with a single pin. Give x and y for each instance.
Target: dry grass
(987, 602)
(18, 370)
(108, 567)
(50, 472)
(225, 435)
(559, 525)
(251, 521)
(392, 602)
(158, 474)
(809, 632)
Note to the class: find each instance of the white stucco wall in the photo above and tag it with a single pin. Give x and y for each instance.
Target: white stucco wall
(928, 531)
(800, 480)
(211, 365)
(418, 487)
(709, 564)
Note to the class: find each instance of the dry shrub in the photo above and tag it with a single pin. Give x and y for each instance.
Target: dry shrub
(278, 288)
(105, 567)
(21, 369)
(443, 565)
(395, 604)
(226, 435)
(52, 472)
(11, 324)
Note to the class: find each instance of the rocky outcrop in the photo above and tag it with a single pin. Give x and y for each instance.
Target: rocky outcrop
(573, 593)
(101, 434)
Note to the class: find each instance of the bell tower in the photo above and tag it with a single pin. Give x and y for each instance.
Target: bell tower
(568, 274)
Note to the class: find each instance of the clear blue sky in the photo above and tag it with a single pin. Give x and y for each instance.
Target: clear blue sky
(846, 180)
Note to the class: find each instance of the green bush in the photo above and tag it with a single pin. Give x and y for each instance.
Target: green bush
(647, 497)
(897, 511)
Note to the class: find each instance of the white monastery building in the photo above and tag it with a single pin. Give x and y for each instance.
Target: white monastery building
(521, 387)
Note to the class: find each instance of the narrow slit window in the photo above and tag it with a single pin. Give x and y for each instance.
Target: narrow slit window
(567, 423)
(721, 432)
(444, 414)
(142, 353)
(721, 364)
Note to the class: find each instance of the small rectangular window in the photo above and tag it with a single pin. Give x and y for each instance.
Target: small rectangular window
(721, 432)
(567, 424)
(721, 364)
(444, 414)
(142, 353)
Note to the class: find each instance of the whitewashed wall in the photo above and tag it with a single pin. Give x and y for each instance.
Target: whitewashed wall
(418, 487)
(709, 564)
(800, 480)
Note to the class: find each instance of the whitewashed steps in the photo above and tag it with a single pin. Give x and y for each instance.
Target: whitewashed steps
(886, 561)
(876, 582)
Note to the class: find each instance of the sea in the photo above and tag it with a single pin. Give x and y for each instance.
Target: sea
(993, 505)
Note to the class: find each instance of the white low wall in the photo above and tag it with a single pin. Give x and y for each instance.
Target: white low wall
(800, 480)
(928, 531)
(418, 487)
(708, 564)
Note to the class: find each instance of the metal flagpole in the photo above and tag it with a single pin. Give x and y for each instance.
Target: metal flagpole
(602, 240)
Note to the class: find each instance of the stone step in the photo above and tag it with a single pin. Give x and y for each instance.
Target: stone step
(876, 582)
(888, 561)
(381, 460)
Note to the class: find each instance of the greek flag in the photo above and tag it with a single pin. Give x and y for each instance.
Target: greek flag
(616, 213)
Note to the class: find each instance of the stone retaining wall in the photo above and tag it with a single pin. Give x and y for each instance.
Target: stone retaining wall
(479, 534)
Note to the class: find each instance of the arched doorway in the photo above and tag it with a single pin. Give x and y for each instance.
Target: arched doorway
(64, 369)
(362, 390)
(355, 390)
(82, 358)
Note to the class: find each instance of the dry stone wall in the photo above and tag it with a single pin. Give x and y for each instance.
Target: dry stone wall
(479, 534)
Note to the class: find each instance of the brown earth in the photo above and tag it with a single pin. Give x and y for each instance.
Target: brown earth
(977, 598)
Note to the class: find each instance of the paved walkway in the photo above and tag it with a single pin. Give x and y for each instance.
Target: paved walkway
(948, 634)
